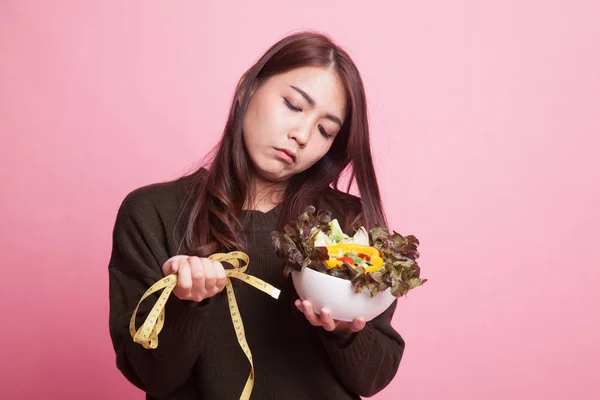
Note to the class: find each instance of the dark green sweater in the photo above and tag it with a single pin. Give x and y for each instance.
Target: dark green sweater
(198, 356)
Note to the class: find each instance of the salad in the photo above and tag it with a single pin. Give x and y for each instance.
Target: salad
(373, 260)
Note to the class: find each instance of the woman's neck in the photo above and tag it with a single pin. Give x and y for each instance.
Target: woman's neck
(267, 195)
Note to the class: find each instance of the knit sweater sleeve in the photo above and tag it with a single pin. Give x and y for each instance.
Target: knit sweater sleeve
(138, 252)
(366, 361)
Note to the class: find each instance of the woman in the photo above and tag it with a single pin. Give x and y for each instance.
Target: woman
(297, 121)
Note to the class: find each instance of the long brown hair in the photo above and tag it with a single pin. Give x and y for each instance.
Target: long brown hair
(223, 188)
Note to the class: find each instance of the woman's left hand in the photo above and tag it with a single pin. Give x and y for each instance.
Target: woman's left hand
(328, 323)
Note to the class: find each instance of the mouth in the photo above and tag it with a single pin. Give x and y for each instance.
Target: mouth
(287, 155)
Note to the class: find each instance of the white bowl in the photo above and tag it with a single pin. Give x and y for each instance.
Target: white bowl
(337, 295)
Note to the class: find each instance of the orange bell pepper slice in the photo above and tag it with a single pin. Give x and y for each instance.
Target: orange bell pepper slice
(337, 251)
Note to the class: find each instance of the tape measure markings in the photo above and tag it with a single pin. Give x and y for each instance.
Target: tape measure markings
(147, 334)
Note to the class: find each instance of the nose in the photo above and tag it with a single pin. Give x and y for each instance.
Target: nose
(300, 133)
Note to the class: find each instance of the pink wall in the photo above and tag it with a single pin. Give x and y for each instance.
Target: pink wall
(487, 131)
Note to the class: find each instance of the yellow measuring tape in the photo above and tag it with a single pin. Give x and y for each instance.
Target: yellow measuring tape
(147, 335)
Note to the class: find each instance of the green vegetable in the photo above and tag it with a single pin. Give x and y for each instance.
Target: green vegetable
(302, 243)
(336, 234)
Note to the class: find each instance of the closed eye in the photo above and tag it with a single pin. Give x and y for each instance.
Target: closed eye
(324, 132)
(291, 106)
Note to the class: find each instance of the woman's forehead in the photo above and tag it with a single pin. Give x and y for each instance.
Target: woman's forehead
(322, 85)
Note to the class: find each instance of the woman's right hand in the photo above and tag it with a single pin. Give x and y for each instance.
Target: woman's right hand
(197, 278)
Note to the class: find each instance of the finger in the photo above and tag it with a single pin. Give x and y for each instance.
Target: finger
(358, 324)
(198, 274)
(221, 278)
(167, 268)
(299, 305)
(327, 321)
(172, 265)
(184, 277)
(310, 314)
(210, 277)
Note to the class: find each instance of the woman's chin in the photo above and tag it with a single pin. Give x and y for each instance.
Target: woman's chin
(275, 177)
(275, 173)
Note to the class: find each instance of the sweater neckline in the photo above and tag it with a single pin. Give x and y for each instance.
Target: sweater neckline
(259, 212)
(264, 217)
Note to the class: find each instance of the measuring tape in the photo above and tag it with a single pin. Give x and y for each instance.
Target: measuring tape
(147, 335)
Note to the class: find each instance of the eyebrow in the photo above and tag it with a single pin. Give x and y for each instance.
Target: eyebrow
(311, 101)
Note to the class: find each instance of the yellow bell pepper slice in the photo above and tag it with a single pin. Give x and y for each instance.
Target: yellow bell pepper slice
(332, 263)
(338, 250)
(377, 264)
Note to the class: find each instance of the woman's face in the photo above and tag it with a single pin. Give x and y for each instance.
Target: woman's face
(292, 120)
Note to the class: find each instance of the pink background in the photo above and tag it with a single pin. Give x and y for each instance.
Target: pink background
(486, 128)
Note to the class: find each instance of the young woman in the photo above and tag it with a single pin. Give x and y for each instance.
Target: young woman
(298, 120)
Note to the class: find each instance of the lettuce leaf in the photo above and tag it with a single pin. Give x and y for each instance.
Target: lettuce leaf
(400, 272)
(361, 237)
(302, 244)
(336, 235)
(295, 244)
